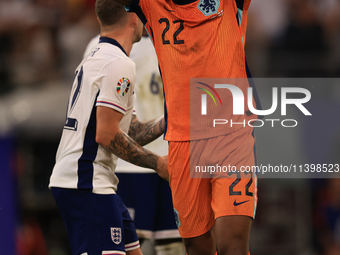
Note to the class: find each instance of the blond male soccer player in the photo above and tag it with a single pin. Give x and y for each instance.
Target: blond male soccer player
(205, 39)
(99, 113)
(146, 195)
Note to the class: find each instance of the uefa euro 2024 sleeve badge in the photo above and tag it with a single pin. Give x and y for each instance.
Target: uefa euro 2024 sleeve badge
(123, 86)
(116, 235)
(208, 7)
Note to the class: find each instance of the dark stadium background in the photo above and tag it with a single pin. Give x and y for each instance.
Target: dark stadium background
(42, 42)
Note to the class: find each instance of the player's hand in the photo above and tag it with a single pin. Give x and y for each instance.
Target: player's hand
(162, 167)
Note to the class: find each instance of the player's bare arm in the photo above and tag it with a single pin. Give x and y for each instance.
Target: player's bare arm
(146, 132)
(111, 137)
(126, 148)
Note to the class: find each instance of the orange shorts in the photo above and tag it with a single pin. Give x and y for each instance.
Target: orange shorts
(200, 197)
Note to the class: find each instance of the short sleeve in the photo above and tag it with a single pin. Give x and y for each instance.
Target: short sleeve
(116, 84)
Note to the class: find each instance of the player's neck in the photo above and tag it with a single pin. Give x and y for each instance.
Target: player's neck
(124, 39)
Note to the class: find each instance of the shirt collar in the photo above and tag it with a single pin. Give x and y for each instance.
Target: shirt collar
(111, 41)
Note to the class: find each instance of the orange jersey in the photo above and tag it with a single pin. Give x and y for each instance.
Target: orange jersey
(201, 39)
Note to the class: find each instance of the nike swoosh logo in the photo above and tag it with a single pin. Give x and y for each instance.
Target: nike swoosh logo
(237, 204)
(168, 9)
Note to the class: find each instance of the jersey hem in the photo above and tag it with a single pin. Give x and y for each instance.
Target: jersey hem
(99, 191)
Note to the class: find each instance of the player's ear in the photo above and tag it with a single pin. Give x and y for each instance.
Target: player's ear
(134, 20)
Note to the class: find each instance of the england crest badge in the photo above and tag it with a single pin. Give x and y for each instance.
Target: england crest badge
(116, 235)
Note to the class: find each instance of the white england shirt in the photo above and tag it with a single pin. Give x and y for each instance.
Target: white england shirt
(105, 77)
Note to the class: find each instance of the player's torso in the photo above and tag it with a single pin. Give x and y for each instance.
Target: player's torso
(80, 161)
(198, 40)
(149, 87)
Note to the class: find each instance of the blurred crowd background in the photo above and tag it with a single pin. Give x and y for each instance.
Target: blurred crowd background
(41, 44)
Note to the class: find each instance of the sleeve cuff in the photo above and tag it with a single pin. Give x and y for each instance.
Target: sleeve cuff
(111, 105)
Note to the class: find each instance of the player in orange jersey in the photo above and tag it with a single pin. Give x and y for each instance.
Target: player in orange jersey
(204, 39)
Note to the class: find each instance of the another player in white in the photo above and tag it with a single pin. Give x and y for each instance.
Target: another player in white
(99, 113)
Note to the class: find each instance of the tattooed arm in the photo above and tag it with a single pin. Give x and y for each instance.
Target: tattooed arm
(146, 132)
(111, 137)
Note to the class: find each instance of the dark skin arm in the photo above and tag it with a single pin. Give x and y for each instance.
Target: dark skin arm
(111, 137)
(146, 132)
